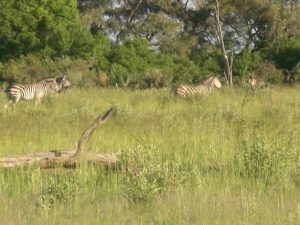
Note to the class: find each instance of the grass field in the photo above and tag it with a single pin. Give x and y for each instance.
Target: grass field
(232, 157)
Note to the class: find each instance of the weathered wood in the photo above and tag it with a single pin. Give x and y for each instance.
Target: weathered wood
(56, 158)
(228, 61)
(65, 158)
(90, 130)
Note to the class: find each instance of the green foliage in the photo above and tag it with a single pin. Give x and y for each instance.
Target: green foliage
(286, 54)
(247, 63)
(101, 51)
(26, 69)
(209, 60)
(50, 27)
(58, 190)
(145, 174)
(130, 61)
(148, 174)
(185, 70)
(268, 72)
(135, 64)
(32, 67)
(157, 42)
(268, 161)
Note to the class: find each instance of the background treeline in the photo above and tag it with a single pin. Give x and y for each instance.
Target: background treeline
(142, 43)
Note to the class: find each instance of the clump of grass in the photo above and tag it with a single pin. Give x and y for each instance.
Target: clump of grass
(146, 175)
(58, 190)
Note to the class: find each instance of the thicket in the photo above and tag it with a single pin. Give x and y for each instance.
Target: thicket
(93, 44)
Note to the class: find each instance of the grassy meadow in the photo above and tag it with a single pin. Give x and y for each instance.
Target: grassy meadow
(232, 157)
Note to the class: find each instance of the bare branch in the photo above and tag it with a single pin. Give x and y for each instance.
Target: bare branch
(227, 61)
(90, 130)
(185, 4)
(64, 158)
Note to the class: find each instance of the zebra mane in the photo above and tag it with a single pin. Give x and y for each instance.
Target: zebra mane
(48, 80)
(209, 82)
(60, 79)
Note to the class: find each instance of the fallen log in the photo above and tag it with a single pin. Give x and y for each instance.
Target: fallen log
(68, 158)
(57, 158)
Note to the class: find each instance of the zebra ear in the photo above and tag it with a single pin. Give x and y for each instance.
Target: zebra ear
(58, 80)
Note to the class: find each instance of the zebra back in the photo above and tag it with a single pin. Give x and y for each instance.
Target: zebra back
(47, 85)
(184, 90)
(255, 84)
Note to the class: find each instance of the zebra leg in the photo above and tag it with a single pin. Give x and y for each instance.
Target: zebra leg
(37, 101)
(15, 100)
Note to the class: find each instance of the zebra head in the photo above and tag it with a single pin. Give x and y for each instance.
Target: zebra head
(63, 83)
(212, 82)
(51, 85)
(252, 82)
(216, 82)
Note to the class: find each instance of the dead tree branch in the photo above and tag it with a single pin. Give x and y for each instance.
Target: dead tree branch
(90, 130)
(228, 61)
(65, 158)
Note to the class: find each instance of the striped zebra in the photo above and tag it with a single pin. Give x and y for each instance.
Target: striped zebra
(36, 91)
(184, 90)
(63, 83)
(254, 83)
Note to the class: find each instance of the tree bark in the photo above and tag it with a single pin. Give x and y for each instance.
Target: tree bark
(56, 158)
(228, 61)
(90, 130)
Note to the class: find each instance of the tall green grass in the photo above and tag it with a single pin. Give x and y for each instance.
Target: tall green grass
(232, 157)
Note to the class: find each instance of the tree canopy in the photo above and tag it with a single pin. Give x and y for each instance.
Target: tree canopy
(129, 39)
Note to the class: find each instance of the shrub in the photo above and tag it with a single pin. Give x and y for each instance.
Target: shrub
(144, 177)
(271, 162)
(146, 174)
(269, 73)
(32, 68)
(246, 63)
(58, 190)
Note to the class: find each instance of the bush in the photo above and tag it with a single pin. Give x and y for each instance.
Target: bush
(32, 68)
(27, 69)
(269, 162)
(286, 53)
(208, 60)
(58, 190)
(269, 73)
(246, 63)
(147, 175)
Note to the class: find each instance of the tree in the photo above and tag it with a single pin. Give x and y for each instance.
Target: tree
(50, 27)
(228, 61)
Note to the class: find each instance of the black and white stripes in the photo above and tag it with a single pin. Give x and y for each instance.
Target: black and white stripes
(63, 83)
(17, 92)
(184, 90)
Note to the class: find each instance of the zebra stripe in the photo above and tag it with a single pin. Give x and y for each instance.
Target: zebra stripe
(255, 84)
(63, 83)
(35, 91)
(184, 90)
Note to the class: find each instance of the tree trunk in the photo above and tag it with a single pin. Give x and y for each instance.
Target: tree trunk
(228, 61)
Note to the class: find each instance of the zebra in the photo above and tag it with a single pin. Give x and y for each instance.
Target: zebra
(36, 91)
(62, 83)
(254, 83)
(184, 90)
